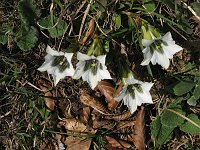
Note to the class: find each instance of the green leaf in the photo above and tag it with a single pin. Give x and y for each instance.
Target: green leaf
(183, 87)
(117, 20)
(100, 5)
(171, 119)
(189, 127)
(55, 26)
(196, 95)
(3, 38)
(196, 7)
(28, 11)
(28, 39)
(160, 132)
(149, 5)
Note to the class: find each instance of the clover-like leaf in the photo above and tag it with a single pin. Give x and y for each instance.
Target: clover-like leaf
(28, 39)
(55, 26)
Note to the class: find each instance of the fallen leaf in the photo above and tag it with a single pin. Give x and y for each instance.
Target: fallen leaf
(77, 143)
(116, 143)
(85, 114)
(65, 107)
(73, 124)
(49, 96)
(106, 124)
(49, 102)
(119, 117)
(138, 136)
(109, 92)
(125, 124)
(94, 103)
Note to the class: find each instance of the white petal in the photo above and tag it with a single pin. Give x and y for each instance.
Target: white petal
(154, 58)
(147, 56)
(92, 80)
(79, 70)
(131, 103)
(101, 59)
(130, 80)
(167, 37)
(45, 66)
(52, 52)
(103, 74)
(69, 71)
(171, 49)
(83, 57)
(162, 60)
(146, 42)
(69, 56)
(144, 97)
(122, 94)
(57, 76)
(85, 75)
(146, 86)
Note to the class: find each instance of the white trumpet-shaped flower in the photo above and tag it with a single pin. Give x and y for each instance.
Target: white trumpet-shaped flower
(135, 93)
(58, 64)
(159, 50)
(91, 68)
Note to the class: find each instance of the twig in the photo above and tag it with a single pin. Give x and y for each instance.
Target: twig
(192, 11)
(83, 20)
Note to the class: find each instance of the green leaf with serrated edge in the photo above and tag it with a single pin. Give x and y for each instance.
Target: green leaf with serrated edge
(160, 132)
(3, 38)
(28, 39)
(171, 119)
(183, 87)
(195, 95)
(28, 11)
(55, 27)
(188, 127)
(149, 5)
(196, 7)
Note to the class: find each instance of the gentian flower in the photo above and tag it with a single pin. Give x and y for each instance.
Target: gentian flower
(58, 64)
(134, 93)
(159, 50)
(91, 68)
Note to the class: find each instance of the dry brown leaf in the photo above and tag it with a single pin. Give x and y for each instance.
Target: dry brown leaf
(89, 31)
(73, 124)
(76, 143)
(109, 92)
(85, 114)
(106, 124)
(94, 103)
(125, 124)
(49, 101)
(119, 117)
(49, 96)
(116, 143)
(65, 107)
(138, 136)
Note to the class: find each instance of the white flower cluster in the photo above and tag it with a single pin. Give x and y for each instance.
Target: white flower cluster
(93, 69)
(159, 50)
